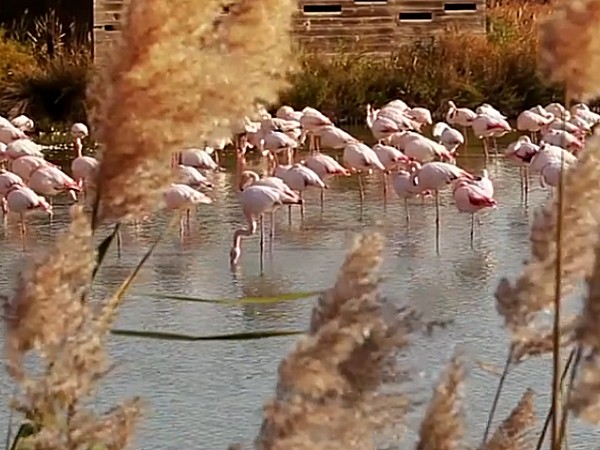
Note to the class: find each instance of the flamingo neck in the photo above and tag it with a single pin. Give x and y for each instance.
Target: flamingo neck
(78, 147)
(236, 248)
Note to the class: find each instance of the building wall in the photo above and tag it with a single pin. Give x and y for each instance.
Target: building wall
(331, 25)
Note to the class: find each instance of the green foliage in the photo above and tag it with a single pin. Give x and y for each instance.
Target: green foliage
(14, 58)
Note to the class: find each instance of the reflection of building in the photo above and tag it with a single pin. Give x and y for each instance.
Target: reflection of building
(381, 25)
(364, 25)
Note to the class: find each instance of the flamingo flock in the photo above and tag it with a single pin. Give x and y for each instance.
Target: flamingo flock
(412, 154)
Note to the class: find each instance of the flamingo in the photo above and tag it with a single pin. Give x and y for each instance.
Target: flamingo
(571, 126)
(275, 142)
(532, 122)
(435, 176)
(23, 147)
(299, 178)
(23, 123)
(7, 181)
(324, 166)
(486, 108)
(449, 137)
(25, 165)
(3, 154)
(471, 196)
(548, 154)
(359, 158)
(312, 120)
(288, 113)
(557, 110)
(333, 138)
(400, 117)
(381, 127)
(390, 158)
(257, 200)
(84, 168)
(420, 115)
(581, 110)
(182, 197)
(420, 148)
(404, 188)
(486, 126)
(198, 158)
(520, 153)
(191, 176)
(397, 104)
(461, 117)
(10, 133)
(51, 181)
(563, 139)
(22, 200)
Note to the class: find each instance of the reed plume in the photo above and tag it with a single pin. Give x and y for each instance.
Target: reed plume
(570, 47)
(533, 291)
(327, 392)
(177, 74)
(443, 426)
(47, 318)
(514, 432)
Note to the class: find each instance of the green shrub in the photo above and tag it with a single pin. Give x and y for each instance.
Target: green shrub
(14, 58)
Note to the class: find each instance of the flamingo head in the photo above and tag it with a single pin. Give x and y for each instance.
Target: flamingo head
(247, 177)
(234, 255)
(44, 205)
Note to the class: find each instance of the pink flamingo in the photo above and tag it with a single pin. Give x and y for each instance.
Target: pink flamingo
(299, 178)
(23, 147)
(360, 158)
(23, 123)
(84, 168)
(563, 139)
(471, 196)
(390, 158)
(420, 148)
(404, 187)
(24, 166)
(7, 181)
(10, 133)
(487, 126)
(420, 115)
(288, 113)
(435, 176)
(381, 127)
(461, 117)
(22, 200)
(312, 121)
(532, 122)
(449, 137)
(325, 167)
(256, 201)
(191, 176)
(51, 181)
(181, 197)
(520, 153)
(334, 138)
(198, 158)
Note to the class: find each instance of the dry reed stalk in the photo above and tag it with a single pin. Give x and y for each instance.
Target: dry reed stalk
(47, 317)
(534, 291)
(584, 399)
(514, 432)
(570, 47)
(326, 396)
(178, 74)
(443, 426)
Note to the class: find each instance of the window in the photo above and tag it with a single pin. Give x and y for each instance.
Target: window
(460, 7)
(370, 2)
(420, 16)
(322, 9)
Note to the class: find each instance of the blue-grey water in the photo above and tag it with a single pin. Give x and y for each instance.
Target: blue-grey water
(207, 394)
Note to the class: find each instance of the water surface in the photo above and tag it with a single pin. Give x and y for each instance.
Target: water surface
(208, 394)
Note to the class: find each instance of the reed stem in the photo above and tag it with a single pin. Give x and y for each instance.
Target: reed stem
(505, 371)
(542, 437)
(565, 412)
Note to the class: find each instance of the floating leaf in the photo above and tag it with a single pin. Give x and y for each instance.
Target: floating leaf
(240, 301)
(243, 336)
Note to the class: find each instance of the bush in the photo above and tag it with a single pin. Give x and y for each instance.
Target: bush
(500, 68)
(14, 58)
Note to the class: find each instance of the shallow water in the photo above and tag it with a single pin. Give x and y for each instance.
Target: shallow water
(209, 394)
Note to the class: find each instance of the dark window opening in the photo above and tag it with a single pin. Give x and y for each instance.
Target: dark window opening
(460, 7)
(322, 9)
(415, 16)
(370, 1)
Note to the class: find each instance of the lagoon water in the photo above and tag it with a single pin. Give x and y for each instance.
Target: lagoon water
(206, 395)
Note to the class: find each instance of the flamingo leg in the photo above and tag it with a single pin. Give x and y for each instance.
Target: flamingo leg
(272, 231)
(437, 222)
(485, 150)
(301, 207)
(119, 243)
(290, 215)
(322, 199)
(262, 242)
(384, 182)
(406, 210)
(361, 187)
(472, 228)
(318, 143)
(526, 175)
(187, 219)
